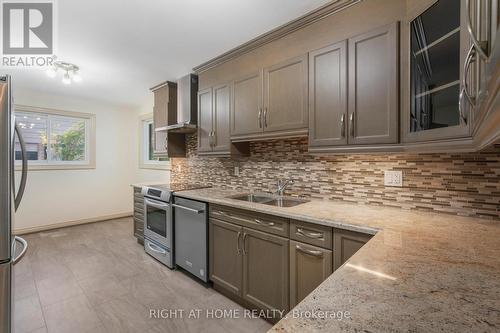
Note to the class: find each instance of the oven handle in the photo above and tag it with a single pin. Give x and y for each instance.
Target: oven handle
(155, 248)
(197, 211)
(156, 204)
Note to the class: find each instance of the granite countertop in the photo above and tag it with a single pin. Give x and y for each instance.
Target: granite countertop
(420, 272)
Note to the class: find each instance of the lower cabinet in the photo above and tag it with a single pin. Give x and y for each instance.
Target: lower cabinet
(138, 215)
(272, 263)
(345, 244)
(250, 264)
(225, 255)
(309, 266)
(265, 270)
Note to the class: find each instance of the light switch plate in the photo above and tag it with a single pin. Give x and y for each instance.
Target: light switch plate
(393, 178)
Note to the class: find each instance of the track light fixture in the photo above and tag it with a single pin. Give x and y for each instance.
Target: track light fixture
(71, 71)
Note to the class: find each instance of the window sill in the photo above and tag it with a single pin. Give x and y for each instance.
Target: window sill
(57, 167)
(155, 166)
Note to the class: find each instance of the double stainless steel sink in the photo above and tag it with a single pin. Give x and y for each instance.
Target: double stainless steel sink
(269, 199)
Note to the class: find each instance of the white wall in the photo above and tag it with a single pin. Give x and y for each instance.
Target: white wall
(58, 196)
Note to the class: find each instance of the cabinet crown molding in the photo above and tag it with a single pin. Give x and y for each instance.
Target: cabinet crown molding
(279, 32)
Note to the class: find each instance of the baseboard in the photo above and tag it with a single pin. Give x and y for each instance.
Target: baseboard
(29, 230)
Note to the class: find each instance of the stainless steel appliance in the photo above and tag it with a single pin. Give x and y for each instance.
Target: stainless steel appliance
(187, 105)
(191, 236)
(158, 226)
(158, 220)
(9, 202)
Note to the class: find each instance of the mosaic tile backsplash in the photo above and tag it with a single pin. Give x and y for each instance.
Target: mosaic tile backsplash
(462, 184)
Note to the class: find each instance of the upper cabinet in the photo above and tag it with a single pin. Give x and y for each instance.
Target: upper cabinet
(165, 114)
(285, 96)
(328, 96)
(413, 75)
(437, 53)
(373, 86)
(214, 105)
(205, 121)
(365, 110)
(246, 113)
(271, 103)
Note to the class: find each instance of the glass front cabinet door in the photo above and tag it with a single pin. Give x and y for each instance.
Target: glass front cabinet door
(442, 66)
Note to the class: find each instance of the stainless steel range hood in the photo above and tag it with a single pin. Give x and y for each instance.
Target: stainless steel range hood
(187, 106)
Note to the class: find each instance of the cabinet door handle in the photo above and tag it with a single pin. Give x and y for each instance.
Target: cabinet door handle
(238, 242)
(260, 118)
(214, 139)
(314, 253)
(461, 109)
(313, 235)
(342, 125)
(244, 243)
(471, 56)
(265, 117)
(351, 124)
(481, 46)
(265, 223)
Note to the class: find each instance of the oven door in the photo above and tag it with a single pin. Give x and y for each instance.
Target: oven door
(158, 222)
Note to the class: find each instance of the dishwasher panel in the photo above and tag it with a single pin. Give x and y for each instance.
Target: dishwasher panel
(191, 236)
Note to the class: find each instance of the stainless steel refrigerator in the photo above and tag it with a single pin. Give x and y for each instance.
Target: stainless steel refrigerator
(9, 201)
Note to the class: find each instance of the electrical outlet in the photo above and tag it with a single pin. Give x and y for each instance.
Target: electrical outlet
(179, 169)
(393, 178)
(236, 170)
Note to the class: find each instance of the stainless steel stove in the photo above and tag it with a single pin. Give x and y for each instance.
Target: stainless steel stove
(158, 220)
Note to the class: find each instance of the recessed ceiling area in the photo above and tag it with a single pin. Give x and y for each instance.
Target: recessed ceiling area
(123, 47)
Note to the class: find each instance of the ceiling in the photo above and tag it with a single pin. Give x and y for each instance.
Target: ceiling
(124, 47)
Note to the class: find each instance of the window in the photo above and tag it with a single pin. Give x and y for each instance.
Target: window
(147, 158)
(55, 139)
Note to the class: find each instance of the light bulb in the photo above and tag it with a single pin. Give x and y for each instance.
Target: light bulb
(66, 79)
(51, 72)
(77, 77)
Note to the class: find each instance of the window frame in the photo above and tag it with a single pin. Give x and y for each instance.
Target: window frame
(144, 163)
(90, 138)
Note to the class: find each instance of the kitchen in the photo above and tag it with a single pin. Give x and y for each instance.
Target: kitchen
(303, 166)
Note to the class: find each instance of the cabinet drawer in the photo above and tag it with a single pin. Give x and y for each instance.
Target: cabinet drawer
(310, 233)
(267, 223)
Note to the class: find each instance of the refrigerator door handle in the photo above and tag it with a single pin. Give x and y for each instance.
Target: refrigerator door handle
(24, 172)
(16, 259)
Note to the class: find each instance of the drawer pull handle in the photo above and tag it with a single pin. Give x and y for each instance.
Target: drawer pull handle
(314, 253)
(268, 224)
(314, 235)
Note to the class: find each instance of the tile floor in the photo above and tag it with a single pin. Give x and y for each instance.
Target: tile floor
(97, 278)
